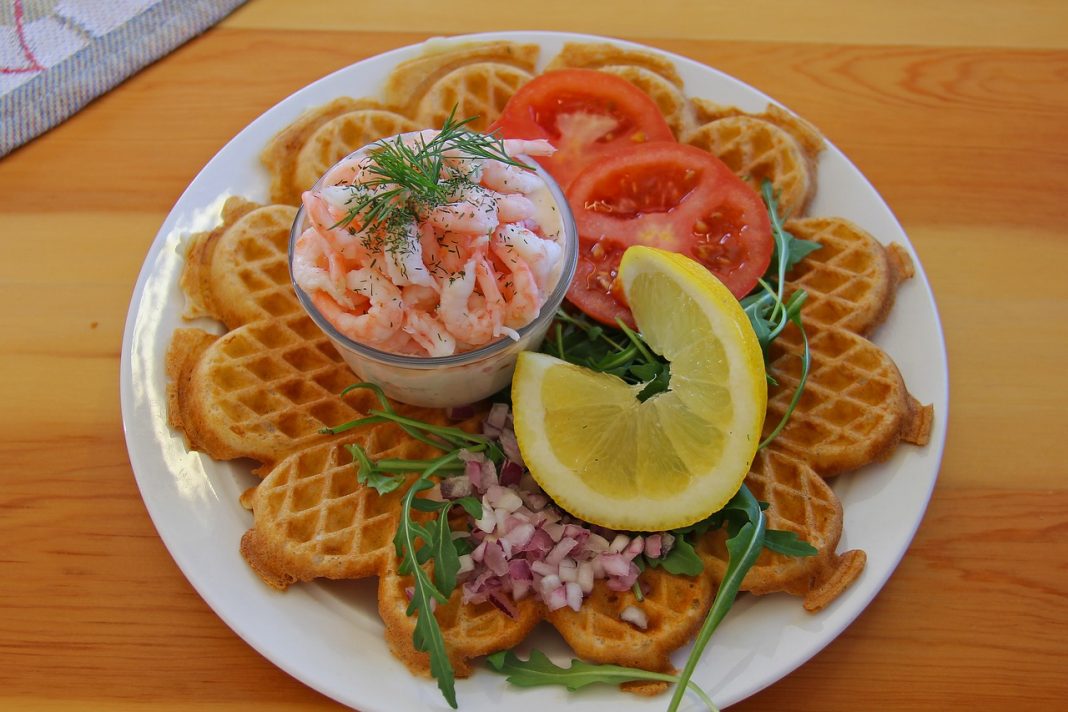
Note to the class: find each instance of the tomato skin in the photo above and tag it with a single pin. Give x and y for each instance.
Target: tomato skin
(588, 115)
(671, 196)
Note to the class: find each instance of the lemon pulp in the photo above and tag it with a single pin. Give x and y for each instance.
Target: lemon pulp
(673, 459)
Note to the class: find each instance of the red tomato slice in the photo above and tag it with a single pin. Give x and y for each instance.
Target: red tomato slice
(667, 195)
(588, 115)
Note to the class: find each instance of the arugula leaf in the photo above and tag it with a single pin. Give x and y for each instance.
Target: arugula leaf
(368, 476)
(682, 559)
(788, 543)
(538, 671)
(742, 551)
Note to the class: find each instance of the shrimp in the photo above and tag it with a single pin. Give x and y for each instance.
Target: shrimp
(504, 178)
(472, 209)
(523, 147)
(514, 207)
(385, 312)
(540, 254)
(521, 294)
(429, 333)
(455, 249)
(404, 261)
(353, 170)
(310, 252)
(471, 317)
(416, 296)
(323, 216)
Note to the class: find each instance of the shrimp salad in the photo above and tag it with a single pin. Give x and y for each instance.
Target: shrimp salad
(430, 265)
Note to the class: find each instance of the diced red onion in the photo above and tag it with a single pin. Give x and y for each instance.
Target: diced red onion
(494, 558)
(615, 564)
(520, 588)
(473, 470)
(596, 543)
(568, 571)
(623, 583)
(503, 498)
(520, 535)
(543, 569)
(479, 552)
(574, 595)
(556, 598)
(635, 616)
(653, 546)
(511, 473)
(549, 583)
(667, 541)
(555, 530)
(500, 600)
(519, 570)
(619, 543)
(510, 446)
(636, 546)
(466, 564)
(495, 420)
(585, 576)
(539, 545)
(489, 519)
(562, 549)
(536, 501)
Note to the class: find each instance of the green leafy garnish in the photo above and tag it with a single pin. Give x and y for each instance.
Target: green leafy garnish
(538, 671)
(788, 543)
(411, 179)
(743, 548)
(418, 543)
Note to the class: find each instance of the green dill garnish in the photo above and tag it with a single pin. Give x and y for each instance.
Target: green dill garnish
(411, 180)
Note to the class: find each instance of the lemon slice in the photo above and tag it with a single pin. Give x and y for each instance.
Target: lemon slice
(672, 460)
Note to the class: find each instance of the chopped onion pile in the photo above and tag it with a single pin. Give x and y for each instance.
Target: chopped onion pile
(525, 545)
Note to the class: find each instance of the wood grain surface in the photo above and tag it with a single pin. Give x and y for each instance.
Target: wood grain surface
(956, 111)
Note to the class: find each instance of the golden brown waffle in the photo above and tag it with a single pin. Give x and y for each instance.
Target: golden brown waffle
(469, 630)
(851, 280)
(342, 135)
(263, 390)
(239, 272)
(801, 502)
(653, 74)
(855, 408)
(477, 78)
(675, 607)
(312, 517)
(280, 154)
(774, 145)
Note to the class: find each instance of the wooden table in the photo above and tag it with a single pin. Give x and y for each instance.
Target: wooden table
(957, 112)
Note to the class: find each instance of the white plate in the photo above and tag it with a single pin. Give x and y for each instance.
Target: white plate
(328, 635)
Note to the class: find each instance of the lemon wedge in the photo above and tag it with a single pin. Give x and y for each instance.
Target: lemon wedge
(675, 458)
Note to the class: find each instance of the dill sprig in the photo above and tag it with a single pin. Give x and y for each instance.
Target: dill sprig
(411, 179)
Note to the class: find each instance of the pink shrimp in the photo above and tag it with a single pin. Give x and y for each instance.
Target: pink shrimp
(520, 289)
(505, 178)
(310, 253)
(523, 147)
(429, 333)
(469, 316)
(541, 254)
(472, 209)
(385, 311)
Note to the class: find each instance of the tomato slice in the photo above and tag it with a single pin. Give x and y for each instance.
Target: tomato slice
(667, 195)
(586, 114)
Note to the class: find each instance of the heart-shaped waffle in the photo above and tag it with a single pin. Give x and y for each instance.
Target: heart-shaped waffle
(775, 146)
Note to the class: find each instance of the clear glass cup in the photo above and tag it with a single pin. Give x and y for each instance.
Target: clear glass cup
(462, 378)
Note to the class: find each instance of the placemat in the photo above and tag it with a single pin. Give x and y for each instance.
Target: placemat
(58, 55)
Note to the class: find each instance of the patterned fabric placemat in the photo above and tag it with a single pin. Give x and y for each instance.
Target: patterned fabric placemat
(58, 55)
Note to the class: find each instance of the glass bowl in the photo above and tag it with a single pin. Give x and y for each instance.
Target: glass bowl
(462, 378)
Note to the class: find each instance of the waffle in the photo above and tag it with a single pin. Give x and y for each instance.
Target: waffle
(469, 630)
(851, 280)
(313, 519)
(674, 605)
(279, 156)
(478, 79)
(342, 135)
(775, 146)
(653, 74)
(798, 501)
(855, 408)
(239, 272)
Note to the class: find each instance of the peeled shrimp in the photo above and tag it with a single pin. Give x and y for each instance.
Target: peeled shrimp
(542, 255)
(385, 313)
(474, 318)
(404, 262)
(522, 298)
(504, 178)
(429, 333)
(310, 253)
(523, 147)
